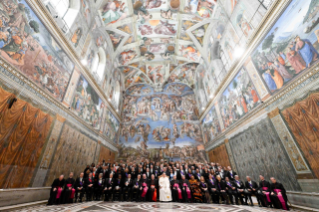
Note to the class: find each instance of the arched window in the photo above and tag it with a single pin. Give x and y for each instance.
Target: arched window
(98, 65)
(116, 95)
(64, 11)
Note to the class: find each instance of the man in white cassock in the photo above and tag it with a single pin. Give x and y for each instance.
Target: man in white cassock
(165, 189)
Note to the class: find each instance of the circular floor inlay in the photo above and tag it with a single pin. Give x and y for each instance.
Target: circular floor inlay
(128, 206)
(163, 206)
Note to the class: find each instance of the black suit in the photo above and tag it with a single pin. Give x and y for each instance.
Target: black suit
(213, 190)
(109, 188)
(105, 173)
(252, 189)
(135, 190)
(240, 191)
(127, 187)
(99, 186)
(88, 188)
(79, 188)
(222, 189)
(148, 175)
(231, 175)
(117, 189)
(232, 191)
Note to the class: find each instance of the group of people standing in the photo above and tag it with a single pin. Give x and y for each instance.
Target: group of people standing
(167, 181)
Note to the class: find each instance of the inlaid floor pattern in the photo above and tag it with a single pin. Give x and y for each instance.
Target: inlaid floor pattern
(99, 206)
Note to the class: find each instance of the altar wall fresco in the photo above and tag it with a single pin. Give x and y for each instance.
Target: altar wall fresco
(161, 124)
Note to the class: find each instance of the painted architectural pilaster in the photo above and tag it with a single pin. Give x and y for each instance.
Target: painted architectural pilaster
(289, 143)
(71, 88)
(222, 127)
(48, 153)
(258, 83)
(230, 156)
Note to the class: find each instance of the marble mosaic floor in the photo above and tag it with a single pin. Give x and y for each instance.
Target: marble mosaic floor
(99, 206)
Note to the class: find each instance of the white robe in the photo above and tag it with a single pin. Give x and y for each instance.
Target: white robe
(165, 190)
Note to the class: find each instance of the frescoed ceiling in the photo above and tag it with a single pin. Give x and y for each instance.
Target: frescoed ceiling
(152, 39)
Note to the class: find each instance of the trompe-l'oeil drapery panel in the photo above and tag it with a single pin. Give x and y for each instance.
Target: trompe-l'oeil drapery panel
(23, 132)
(219, 155)
(106, 154)
(303, 120)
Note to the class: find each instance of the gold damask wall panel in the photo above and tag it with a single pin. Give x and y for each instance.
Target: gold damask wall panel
(303, 121)
(73, 152)
(219, 155)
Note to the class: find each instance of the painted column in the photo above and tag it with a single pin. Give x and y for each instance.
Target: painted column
(48, 153)
(289, 143)
(230, 156)
(255, 78)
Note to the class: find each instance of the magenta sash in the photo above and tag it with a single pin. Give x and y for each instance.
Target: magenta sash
(267, 194)
(145, 189)
(73, 191)
(281, 199)
(179, 191)
(58, 192)
(187, 191)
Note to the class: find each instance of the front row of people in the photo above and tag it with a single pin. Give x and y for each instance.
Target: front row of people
(212, 190)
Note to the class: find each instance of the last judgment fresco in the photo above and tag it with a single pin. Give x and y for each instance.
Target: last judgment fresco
(161, 124)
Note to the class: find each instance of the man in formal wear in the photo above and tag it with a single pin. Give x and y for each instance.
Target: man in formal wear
(197, 174)
(221, 173)
(152, 170)
(136, 189)
(186, 191)
(144, 188)
(231, 174)
(231, 191)
(213, 189)
(127, 187)
(109, 186)
(104, 172)
(251, 189)
(89, 183)
(99, 186)
(79, 187)
(240, 190)
(56, 191)
(153, 188)
(222, 188)
(264, 192)
(148, 173)
(118, 188)
(176, 190)
(69, 190)
(164, 191)
(278, 195)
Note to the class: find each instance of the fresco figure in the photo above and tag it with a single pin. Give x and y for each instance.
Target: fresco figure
(76, 37)
(306, 50)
